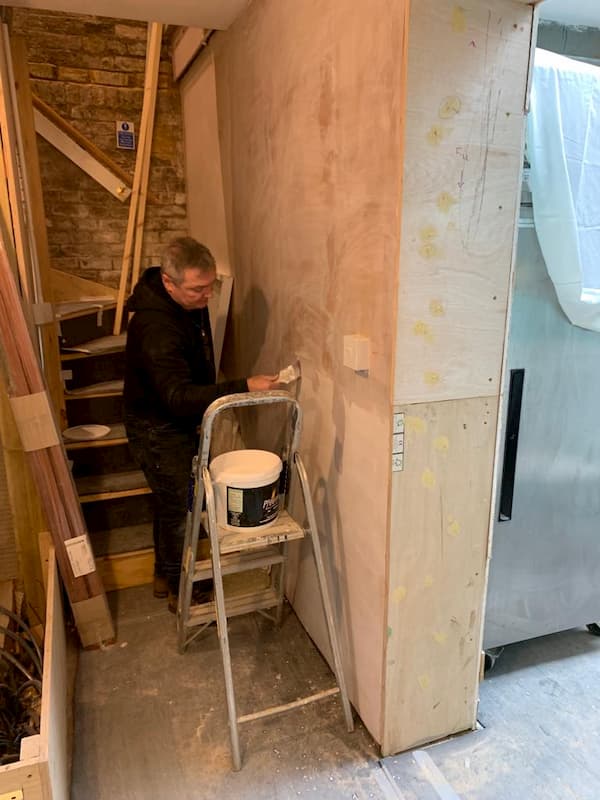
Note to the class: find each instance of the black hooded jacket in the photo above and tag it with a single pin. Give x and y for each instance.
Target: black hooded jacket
(169, 371)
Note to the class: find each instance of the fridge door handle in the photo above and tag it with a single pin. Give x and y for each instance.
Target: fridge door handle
(511, 443)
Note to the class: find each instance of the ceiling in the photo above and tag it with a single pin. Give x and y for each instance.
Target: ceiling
(212, 14)
(572, 12)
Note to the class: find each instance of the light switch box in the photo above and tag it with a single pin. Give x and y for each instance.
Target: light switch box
(357, 351)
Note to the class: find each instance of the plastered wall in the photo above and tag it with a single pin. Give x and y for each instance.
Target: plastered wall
(467, 74)
(308, 97)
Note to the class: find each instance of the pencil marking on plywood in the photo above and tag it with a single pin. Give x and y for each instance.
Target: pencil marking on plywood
(399, 594)
(421, 328)
(442, 443)
(459, 20)
(445, 201)
(428, 479)
(436, 307)
(424, 681)
(450, 107)
(431, 378)
(453, 526)
(414, 424)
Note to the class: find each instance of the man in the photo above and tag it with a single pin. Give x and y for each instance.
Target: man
(169, 382)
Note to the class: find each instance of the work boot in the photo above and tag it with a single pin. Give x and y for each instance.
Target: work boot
(202, 592)
(160, 587)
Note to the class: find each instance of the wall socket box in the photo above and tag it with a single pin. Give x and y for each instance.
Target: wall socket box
(398, 442)
(357, 352)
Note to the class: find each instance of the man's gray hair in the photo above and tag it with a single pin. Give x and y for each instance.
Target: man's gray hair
(186, 252)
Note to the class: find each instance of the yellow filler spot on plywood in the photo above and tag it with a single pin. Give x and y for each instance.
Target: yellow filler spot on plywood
(436, 307)
(399, 594)
(440, 637)
(424, 681)
(414, 424)
(459, 20)
(429, 250)
(431, 378)
(453, 526)
(442, 443)
(428, 233)
(422, 329)
(428, 479)
(450, 107)
(445, 202)
(435, 134)
(428, 582)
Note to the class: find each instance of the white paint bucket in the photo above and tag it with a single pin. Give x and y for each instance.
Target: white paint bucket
(246, 488)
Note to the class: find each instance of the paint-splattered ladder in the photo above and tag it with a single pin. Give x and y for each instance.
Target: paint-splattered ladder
(237, 552)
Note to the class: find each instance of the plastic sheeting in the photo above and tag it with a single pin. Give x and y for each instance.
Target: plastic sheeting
(563, 147)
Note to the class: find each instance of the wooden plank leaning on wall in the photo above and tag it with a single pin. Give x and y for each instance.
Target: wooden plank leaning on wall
(47, 324)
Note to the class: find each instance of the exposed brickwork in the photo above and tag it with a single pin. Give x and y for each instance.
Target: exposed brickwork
(91, 71)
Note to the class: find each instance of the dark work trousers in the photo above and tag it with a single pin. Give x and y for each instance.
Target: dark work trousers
(165, 455)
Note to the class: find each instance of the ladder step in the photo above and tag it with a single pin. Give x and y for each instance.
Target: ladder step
(239, 562)
(242, 604)
(301, 701)
(283, 530)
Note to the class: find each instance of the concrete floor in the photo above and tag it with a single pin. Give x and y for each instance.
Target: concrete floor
(151, 724)
(540, 739)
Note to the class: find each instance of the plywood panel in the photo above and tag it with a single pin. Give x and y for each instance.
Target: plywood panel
(467, 75)
(309, 118)
(438, 555)
(206, 205)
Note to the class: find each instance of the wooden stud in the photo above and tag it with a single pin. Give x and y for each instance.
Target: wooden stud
(139, 184)
(12, 170)
(84, 143)
(37, 222)
(80, 156)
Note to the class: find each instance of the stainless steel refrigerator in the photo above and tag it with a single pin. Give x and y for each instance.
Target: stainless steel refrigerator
(545, 567)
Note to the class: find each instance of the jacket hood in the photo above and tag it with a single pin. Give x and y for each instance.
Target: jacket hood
(149, 294)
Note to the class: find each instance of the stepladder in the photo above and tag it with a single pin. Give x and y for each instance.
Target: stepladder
(239, 550)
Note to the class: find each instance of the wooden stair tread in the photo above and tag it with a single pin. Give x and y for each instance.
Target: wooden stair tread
(116, 436)
(102, 389)
(95, 347)
(283, 530)
(111, 485)
(70, 309)
(127, 539)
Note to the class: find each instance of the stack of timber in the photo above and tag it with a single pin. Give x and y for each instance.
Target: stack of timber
(42, 443)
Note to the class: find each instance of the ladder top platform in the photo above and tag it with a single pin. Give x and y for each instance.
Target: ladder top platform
(283, 530)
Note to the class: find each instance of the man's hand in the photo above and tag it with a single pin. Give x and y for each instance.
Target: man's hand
(263, 383)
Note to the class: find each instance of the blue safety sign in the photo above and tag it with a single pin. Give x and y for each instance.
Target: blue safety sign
(125, 135)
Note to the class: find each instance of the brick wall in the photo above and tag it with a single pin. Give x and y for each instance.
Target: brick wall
(91, 71)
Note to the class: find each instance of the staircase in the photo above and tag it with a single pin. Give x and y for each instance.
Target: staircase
(114, 495)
